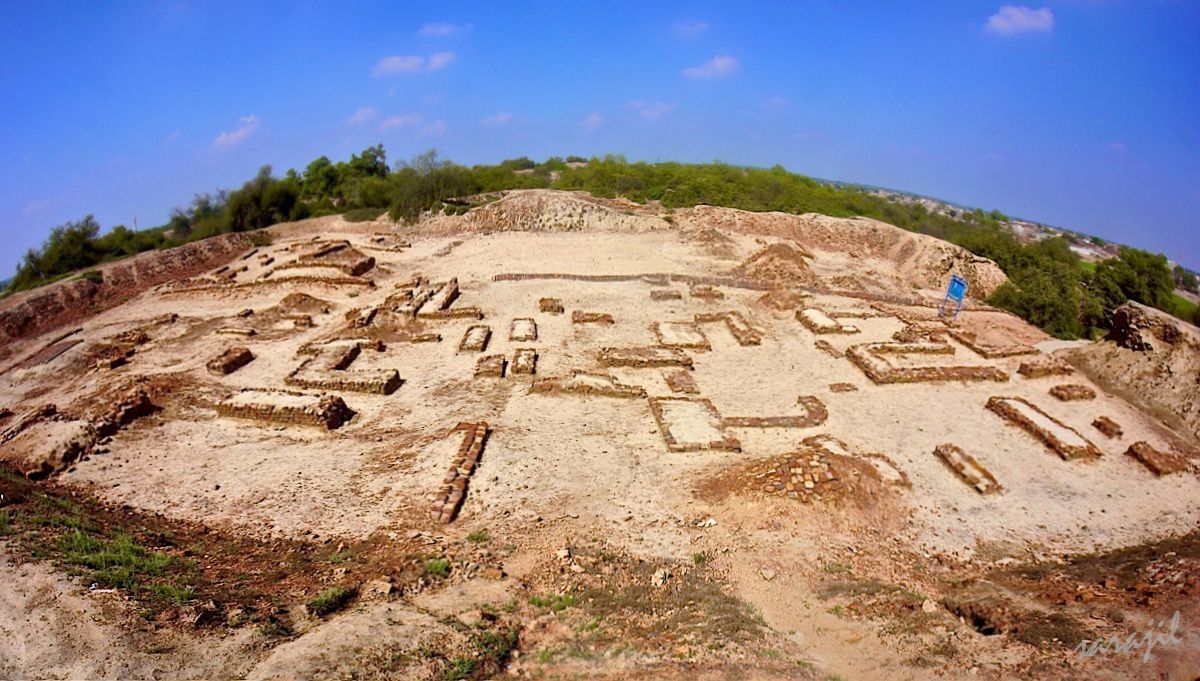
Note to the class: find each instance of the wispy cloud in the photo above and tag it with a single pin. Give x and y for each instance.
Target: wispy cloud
(498, 118)
(398, 64)
(434, 129)
(717, 67)
(1017, 19)
(650, 110)
(776, 103)
(246, 127)
(172, 137)
(690, 27)
(443, 29)
(591, 122)
(400, 121)
(36, 206)
(365, 114)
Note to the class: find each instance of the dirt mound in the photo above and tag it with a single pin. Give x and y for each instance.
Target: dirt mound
(543, 210)
(915, 259)
(782, 264)
(1152, 360)
(53, 305)
(302, 302)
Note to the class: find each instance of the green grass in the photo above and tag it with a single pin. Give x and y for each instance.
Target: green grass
(5, 526)
(1182, 307)
(556, 602)
(438, 566)
(491, 651)
(478, 536)
(331, 600)
(701, 558)
(1087, 266)
(173, 593)
(119, 562)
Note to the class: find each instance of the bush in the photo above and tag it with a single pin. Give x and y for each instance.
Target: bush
(331, 600)
(93, 276)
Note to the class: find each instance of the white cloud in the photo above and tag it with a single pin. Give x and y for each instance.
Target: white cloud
(439, 61)
(650, 110)
(246, 127)
(591, 122)
(36, 206)
(443, 29)
(690, 27)
(499, 118)
(434, 129)
(1016, 19)
(400, 121)
(365, 114)
(396, 64)
(717, 67)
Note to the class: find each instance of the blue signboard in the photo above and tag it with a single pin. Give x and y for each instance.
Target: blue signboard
(956, 292)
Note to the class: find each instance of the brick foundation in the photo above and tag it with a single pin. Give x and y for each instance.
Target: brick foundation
(523, 330)
(867, 357)
(325, 411)
(581, 317)
(453, 492)
(987, 351)
(814, 414)
(475, 339)
(1003, 407)
(230, 361)
(661, 408)
(705, 292)
(525, 361)
(1109, 427)
(680, 335)
(1045, 366)
(661, 294)
(587, 383)
(818, 321)
(805, 475)
(967, 468)
(644, 357)
(550, 305)
(1159, 463)
(824, 346)
(842, 388)
(681, 382)
(490, 366)
(1071, 392)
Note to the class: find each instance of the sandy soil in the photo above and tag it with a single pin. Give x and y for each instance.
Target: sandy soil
(567, 469)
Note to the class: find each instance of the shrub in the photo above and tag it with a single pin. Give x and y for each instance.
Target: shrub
(331, 600)
(438, 566)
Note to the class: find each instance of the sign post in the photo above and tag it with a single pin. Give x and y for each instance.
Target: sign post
(956, 291)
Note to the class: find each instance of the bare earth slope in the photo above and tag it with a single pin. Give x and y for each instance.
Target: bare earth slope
(569, 437)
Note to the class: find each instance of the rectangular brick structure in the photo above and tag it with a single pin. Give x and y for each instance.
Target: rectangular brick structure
(1109, 427)
(551, 305)
(741, 329)
(842, 388)
(581, 317)
(1055, 434)
(491, 366)
(690, 424)
(681, 381)
(588, 383)
(869, 358)
(988, 351)
(475, 339)
(680, 335)
(824, 346)
(644, 357)
(523, 330)
(1045, 366)
(230, 361)
(442, 298)
(525, 361)
(705, 292)
(818, 322)
(287, 407)
(967, 468)
(814, 415)
(1159, 463)
(660, 294)
(453, 492)
(1071, 392)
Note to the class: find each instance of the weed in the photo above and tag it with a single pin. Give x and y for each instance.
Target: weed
(438, 566)
(340, 557)
(331, 600)
(478, 536)
(117, 563)
(5, 526)
(175, 594)
(701, 558)
(260, 239)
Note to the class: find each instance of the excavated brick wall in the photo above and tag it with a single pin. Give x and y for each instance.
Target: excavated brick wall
(453, 492)
(230, 361)
(325, 411)
(864, 357)
(1159, 463)
(1072, 392)
(967, 468)
(1001, 406)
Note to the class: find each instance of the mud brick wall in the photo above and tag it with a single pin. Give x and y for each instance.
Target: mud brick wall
(816, 327)
(379, 381)
(1001, 406)
(970, 340)
(699, 343)
(815, 414)
(967, 468)
(524, 361)
(274, 281)
(246, 333)
(1109, 427)
(913, 333)
(1070, 392)
(660, 294)
(842, 388)
(1046, 366)
(491, 366)
(681, 382)
(824, 346)
(523, 330)
(453, 492)
(603, 385)
(475, 339)
(465, 312)
(550, 305)
(581, 317)
(326, 412)
(1159, 463)
(644, 357)
(863, 356)
(230, 361)
(705, 292)
(728, 442)
(741, 329)
(445, 295)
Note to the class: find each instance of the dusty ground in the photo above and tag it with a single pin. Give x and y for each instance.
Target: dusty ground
(588, 543)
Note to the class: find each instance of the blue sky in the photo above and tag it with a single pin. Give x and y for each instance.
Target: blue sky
(1079, 113)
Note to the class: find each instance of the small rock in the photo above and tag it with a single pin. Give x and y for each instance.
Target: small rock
(767, 573)
(660, 577)
(563, 554)
(378, 589)
(929, 606)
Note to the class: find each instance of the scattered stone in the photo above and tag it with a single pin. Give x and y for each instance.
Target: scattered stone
(230, 361)
(1071, 392)
(1107, 426)
(842, 387)
(551, 305)
(660, 577)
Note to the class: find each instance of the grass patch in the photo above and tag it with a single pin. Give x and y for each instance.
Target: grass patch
(701, 558)
(478, 536)
(438, 566)
(5, 525)
(119, 562)
(556, 602)
(331, 600)
(173, 593)
(491, 650)
(260, 239)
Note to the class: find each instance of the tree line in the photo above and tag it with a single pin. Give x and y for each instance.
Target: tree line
(1049, 285)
